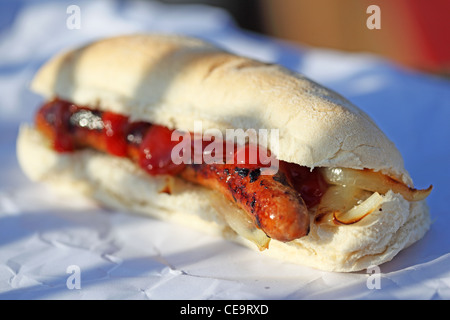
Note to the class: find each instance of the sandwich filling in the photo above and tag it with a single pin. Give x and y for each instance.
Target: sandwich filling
(274, 206)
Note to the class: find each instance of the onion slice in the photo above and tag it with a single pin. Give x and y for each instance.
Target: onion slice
(335, 199)
(360, 211)
(373, 181)
(240, 222)
(338, 199)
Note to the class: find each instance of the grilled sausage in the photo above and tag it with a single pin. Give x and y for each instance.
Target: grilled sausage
(274, 206)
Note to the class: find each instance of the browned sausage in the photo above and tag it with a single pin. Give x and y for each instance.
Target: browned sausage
(271, 202)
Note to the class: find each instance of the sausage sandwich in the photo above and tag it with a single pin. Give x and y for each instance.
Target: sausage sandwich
(118, 124)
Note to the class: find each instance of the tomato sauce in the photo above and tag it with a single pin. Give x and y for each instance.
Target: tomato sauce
(71, 127)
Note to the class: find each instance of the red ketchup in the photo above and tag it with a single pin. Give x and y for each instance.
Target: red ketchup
(115, 126)
(155, 153)
(54, 120)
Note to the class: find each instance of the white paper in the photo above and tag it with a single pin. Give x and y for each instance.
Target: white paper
(54, 247)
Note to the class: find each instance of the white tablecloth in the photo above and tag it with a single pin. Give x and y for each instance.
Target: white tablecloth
(43, 237)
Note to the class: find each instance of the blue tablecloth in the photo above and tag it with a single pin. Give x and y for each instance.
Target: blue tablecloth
(123, 256)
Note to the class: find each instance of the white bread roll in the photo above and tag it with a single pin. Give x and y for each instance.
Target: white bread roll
(174, 81)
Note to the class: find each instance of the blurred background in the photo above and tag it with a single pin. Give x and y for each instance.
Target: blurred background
(415, 33)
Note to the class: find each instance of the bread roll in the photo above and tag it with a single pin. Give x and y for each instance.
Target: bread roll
(175, 81)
